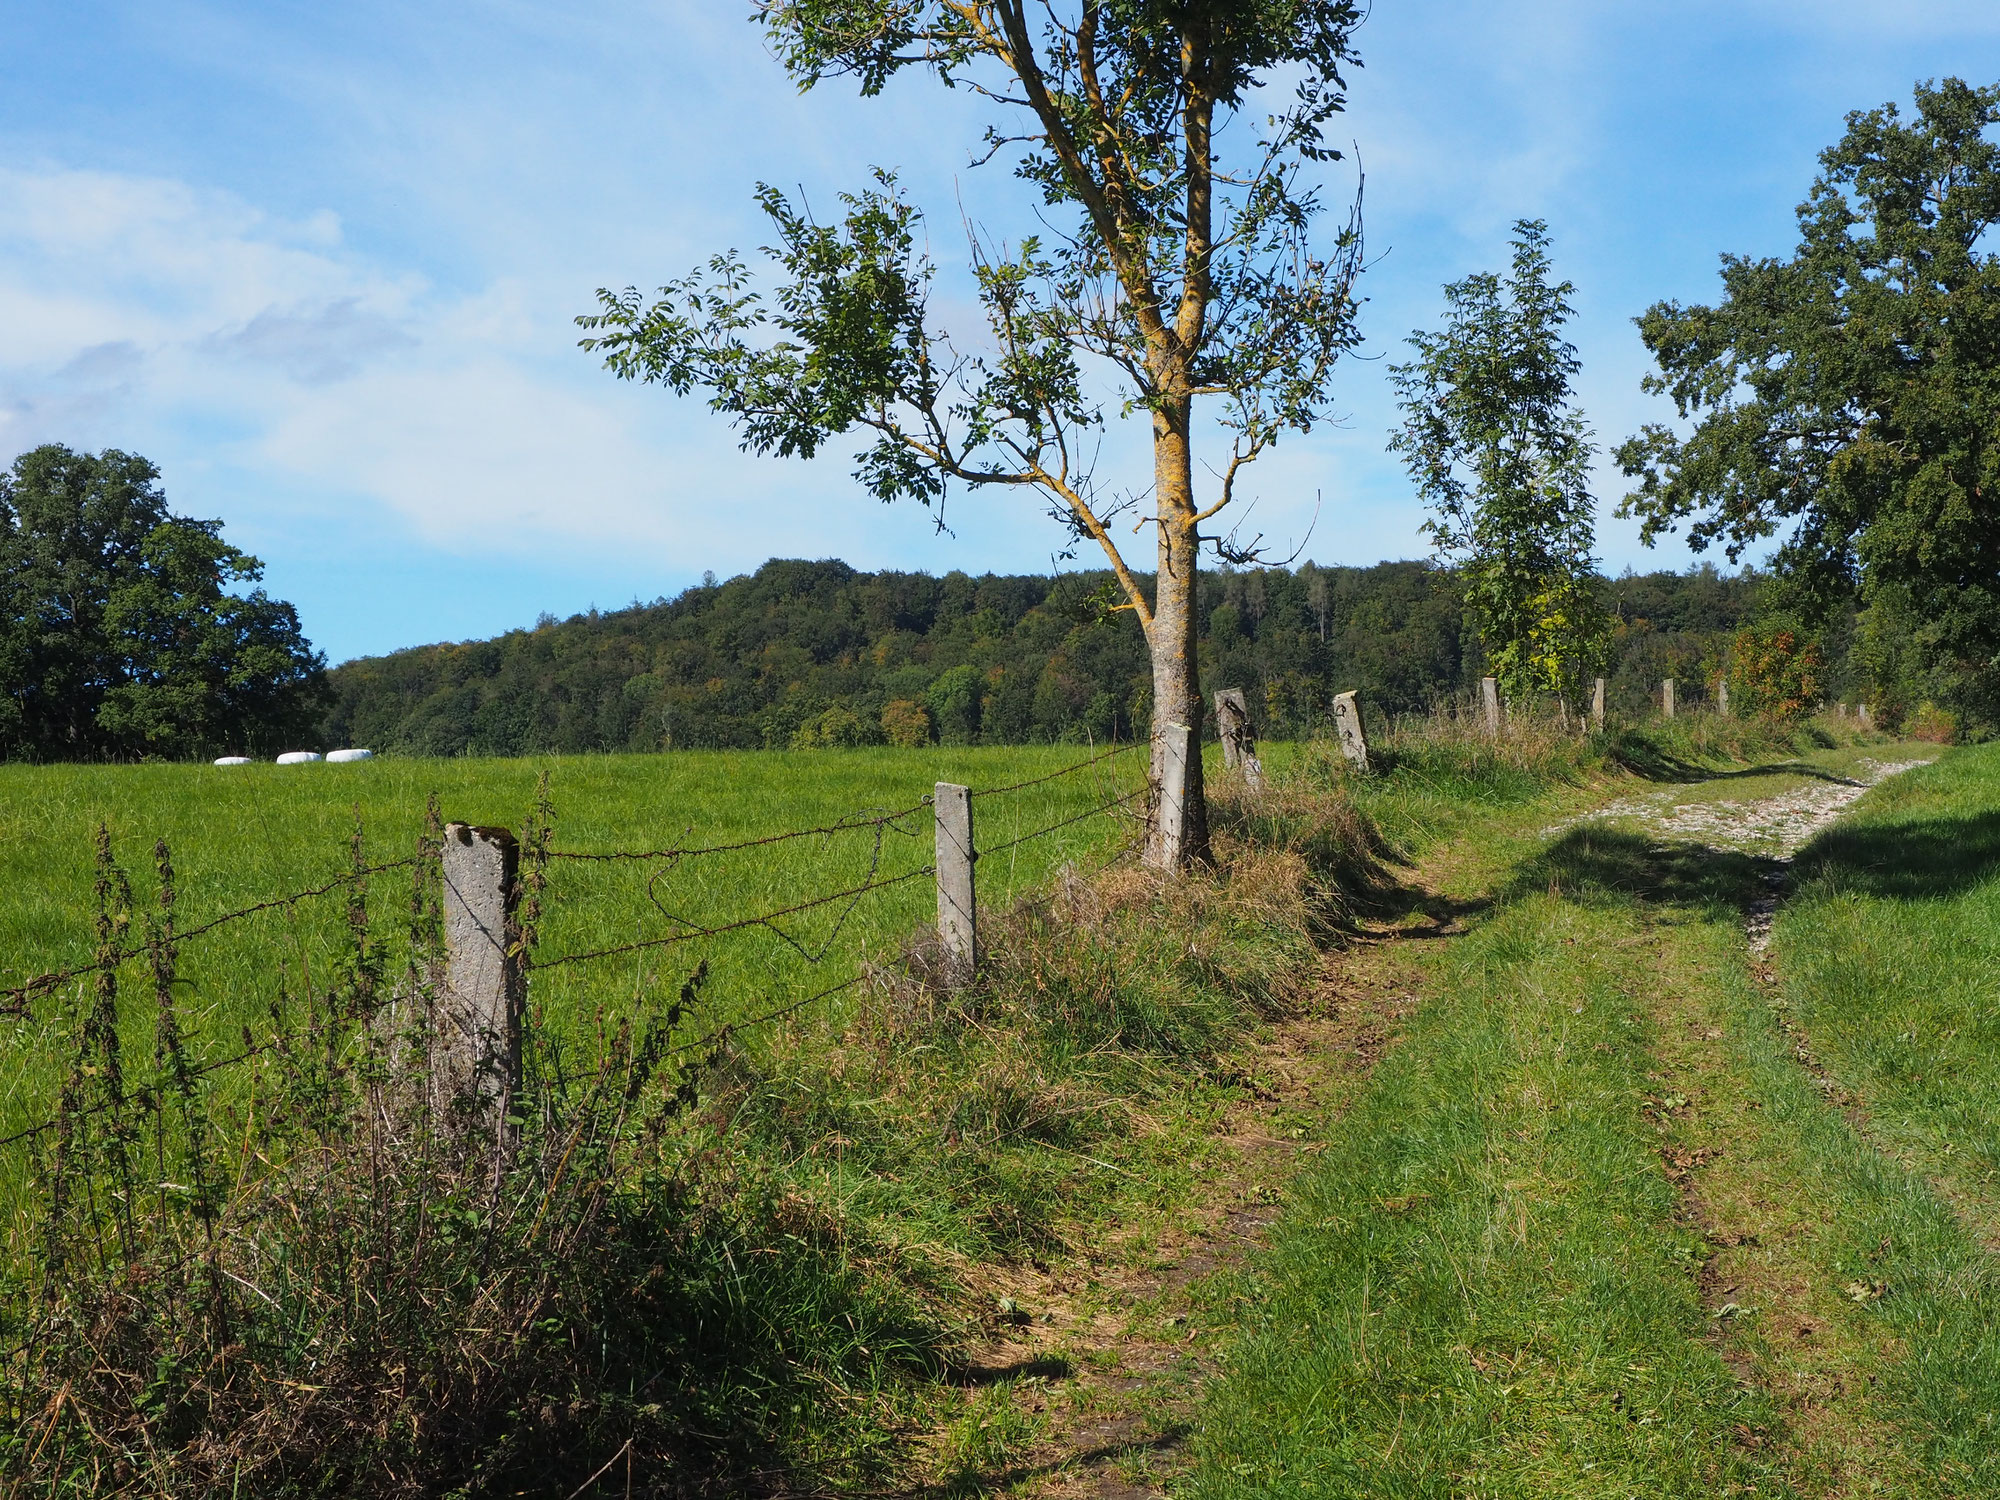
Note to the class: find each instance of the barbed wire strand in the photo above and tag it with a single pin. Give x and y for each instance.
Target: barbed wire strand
(1082, 765)
(845, 825)
(1053, 827)
(20, 994)
(763, 920)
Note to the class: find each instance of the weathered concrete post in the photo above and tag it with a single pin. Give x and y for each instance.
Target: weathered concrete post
(478, 1066)
(1178, 748)
(1347, 726)
(1722, 696)
(1861, 713)
(1239, 740)
(958, 909)
(1597, 703)
(1841, 710)
(1667, 697)
(1489, 697)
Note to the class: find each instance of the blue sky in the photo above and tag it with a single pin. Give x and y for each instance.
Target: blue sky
(320, 262)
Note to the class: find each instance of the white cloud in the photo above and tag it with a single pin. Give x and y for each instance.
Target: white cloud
(146, 310)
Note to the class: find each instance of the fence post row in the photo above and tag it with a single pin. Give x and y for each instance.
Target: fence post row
(1239, 740)
(479, 1012)
(1489, 695)
(958, 912)
(1347, 728)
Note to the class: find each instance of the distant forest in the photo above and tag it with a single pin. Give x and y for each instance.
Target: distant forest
(804, 654)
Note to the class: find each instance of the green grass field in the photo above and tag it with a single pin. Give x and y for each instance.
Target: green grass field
(246, 834)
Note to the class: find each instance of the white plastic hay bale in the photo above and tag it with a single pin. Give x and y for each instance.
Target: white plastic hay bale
(347, 755)
(298, 757)
(234, 760)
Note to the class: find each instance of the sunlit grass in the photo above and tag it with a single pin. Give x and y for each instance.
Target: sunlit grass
(243, 835)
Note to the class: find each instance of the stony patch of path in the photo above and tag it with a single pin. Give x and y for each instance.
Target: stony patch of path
(1778, 825)
(1774, 827)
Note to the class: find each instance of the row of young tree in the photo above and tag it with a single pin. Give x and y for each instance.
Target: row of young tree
(1843, 401)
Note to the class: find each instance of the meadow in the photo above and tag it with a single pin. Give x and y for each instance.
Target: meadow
(243, 835)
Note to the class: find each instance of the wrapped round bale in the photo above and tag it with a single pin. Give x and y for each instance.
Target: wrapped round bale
(346, 755)
(298, 757)
(234, 760)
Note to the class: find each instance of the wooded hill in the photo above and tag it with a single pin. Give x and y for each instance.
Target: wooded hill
(815, 653)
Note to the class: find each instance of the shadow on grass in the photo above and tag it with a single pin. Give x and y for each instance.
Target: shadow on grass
(1040, 1367)
(1928, 859)
(1597, 865)
(1653, 762)
(1117, 1452)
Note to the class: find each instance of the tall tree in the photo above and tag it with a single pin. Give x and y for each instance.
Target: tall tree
(120, 631)
(1503, 462)
(1173, 273)
(1847, 400)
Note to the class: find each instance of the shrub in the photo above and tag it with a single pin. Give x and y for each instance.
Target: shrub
(906, 722)
(1932, 723)
(1775, 673)
(834, 729)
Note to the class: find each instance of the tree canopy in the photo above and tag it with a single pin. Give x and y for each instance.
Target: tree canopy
(1168, 259)
(1502, 461)
(121, 634)
(1847, 400)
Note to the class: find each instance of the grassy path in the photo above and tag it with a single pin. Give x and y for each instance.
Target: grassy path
(1632, 1212)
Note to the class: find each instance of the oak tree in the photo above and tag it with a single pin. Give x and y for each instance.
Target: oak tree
(123, 628)
(1173, 270)
(1846, 401)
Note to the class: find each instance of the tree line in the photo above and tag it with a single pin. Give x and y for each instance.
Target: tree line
(815, 654)
(1170, 250)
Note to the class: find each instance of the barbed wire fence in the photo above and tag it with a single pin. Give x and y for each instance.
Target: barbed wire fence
(98, 1087)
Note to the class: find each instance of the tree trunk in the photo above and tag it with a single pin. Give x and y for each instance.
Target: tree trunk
(1178, 834)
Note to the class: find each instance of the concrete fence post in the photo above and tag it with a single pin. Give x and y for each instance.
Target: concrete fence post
(958, 908)
(1347, 725)
(1239, 740)
(1489, 698)
(478, 1067)
(1840, 711)
(1861, 713)
(1722, 696)
(1176, 747)
(1667, 698)
(1597, 703)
